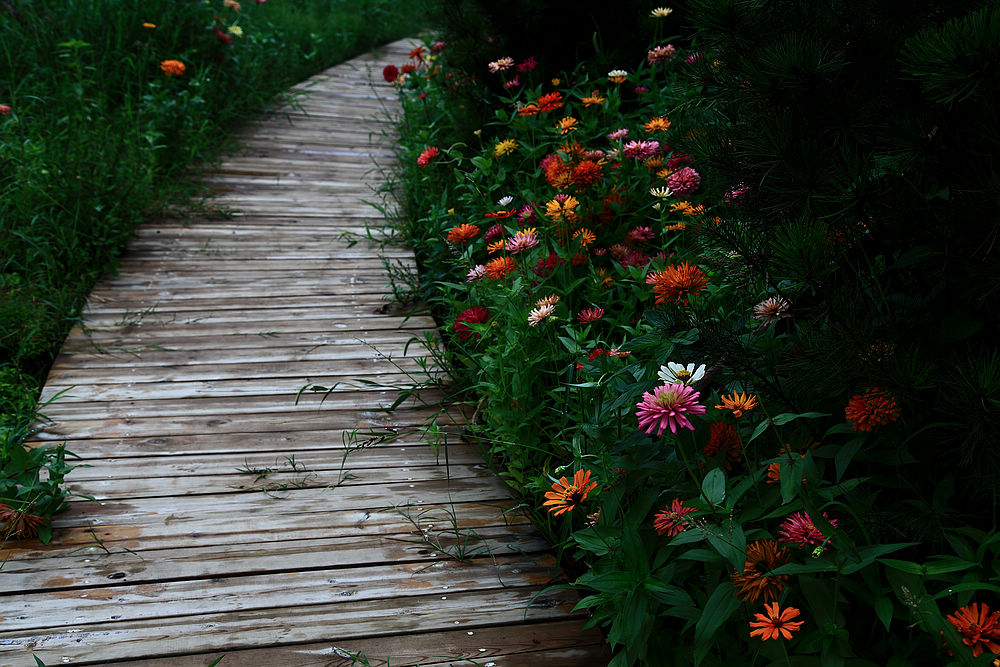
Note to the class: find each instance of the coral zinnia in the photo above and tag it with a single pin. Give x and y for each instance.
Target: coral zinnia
(476, 314)
(738, 403)
(660, 53)
(550, 102)
(675, 284)
(499, 267)
(565, 496)
(173, 67)
(666, 407)
(875, 407)
(756, 579)
(462, 233)
(979, 628)
(776, 623)
(670, 520)
(590, 315)
(799, 529)
(427, 155)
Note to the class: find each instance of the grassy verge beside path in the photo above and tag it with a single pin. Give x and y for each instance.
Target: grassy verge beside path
(103, 107)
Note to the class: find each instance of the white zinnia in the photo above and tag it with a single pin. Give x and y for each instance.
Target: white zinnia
(674, 373)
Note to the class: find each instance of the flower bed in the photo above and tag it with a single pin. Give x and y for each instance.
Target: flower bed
(636, 377)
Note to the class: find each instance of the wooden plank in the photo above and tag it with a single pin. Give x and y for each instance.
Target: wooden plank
(101, 643)
(501, 645)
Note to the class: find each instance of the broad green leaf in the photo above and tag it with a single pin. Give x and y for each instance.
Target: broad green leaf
(714, 486)
(720, 606)
(883, 608)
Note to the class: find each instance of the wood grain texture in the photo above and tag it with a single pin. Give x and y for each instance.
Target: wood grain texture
(224, 507)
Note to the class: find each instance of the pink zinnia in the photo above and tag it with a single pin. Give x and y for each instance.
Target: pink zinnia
(684, 181)
(640, 235)
(527, 65)
(522, 240)
(590, 315)
(799, 529)
(526, 215)
(619, 134)
(660, 53)
(513, 83)
(666, 408)
(493, 232)
(427, 155)
(642, 150)
(670, 520)
(476, 314)
(478, 272)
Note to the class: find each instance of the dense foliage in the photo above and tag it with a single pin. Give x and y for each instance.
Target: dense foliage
(103, 106)
(727, 313)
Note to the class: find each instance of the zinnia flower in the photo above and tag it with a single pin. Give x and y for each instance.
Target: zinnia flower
(236, 30)
(617, 76)
(666, 408)
(679, 373)
(222, 37)
(661, 12)
(567, 125)
(522, 240)
(642, 150)
(390, 72)
(501, 65)
(738, 403)
(18, 523)
(148, 25)
(232, 4)
(659, 124)
(770, 310)
(979, 628)
(684, 181)
(462, 233)
(499, 267)
(478, 272)
(565, 496)
(585, 237)
(875, 407)
(476, 314)
(505, 147)
(799, 529)
(540, 314)
(660, 193)
(593, 99)
(590, 315)
(670, 520)
(619, 134)
(550, 102)
(527, 65)
(173, 67)
(676, 284)
(763, 556)
(427, 155)
(562, 207)
(640, 235)
(724, 438)
(776, 623)
(549, 300)
(585, 174)
(660, 53)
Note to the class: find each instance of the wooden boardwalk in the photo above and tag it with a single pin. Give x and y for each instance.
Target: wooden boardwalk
(229, 520)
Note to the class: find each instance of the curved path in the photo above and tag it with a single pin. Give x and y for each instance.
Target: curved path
(228, 518)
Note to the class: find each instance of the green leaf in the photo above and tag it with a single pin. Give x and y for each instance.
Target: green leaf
(714, 486)
(718, 609)
(883, 608)
(845, 454)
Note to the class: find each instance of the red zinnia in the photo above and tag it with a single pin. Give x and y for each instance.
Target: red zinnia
(875, 407)
(675, 284)
(670, 520)
(222, 37)
(550, 102)
(586, 174)
(390, 73)
(427, 155)
(979, 628)
(590, 315)
(476, 314)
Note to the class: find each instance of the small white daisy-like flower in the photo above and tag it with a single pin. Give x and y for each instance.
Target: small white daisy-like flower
(505, 201)
(657, 206)
(617, 74)
(661, 12)
(541, 313)
(674, 373)
(662, 193)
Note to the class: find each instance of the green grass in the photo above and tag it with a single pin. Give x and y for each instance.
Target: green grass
(98, 139)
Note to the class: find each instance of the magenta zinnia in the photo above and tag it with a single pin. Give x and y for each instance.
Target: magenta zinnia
(799, 529)
(668, 407)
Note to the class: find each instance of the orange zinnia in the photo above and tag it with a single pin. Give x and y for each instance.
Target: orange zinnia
(462, 233)
(979, 628)
(776, 623)
(875, 407)
(738, 403)
(499, 267)
(763, 556)
(565, 496)
(675, 284)
(173, 67)
(594, 98)
(567, 124)
(657, 124)
(562, 207)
